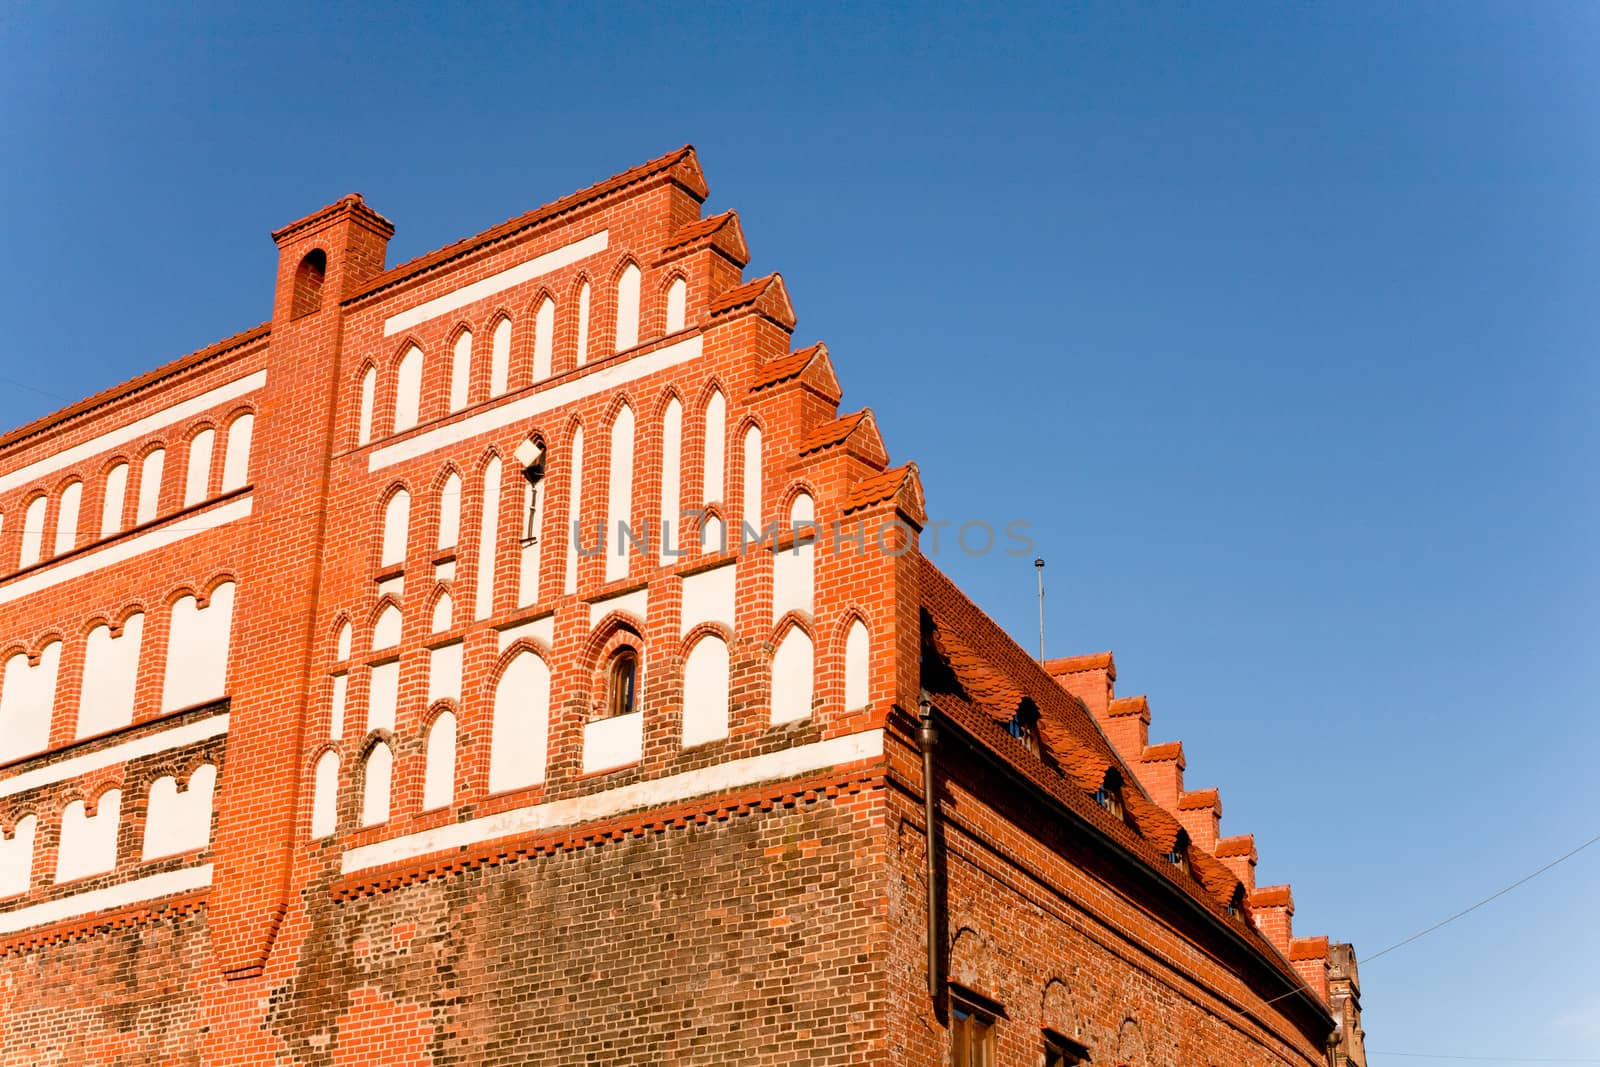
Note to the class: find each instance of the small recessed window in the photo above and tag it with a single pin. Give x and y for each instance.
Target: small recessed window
(1024, 726)
(1063, 1051)
(1109, 795)
(622, 683)
(971, 1032)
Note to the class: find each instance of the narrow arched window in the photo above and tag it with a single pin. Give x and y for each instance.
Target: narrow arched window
(671, 486)
(150, 472)
(236, 454)
(544, 338)
(716, 433)
(500, 358)
(450, 511)
(377, 777)
(622, 683)
(197, 478)
(308, 278)
(583, 324)
(619, 496)
(33, 531)
(396, 525)
(628, 308)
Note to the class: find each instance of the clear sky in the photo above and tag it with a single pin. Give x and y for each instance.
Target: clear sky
(1276, 321)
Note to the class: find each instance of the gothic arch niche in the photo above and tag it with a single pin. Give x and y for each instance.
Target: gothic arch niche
(973, 964)
(520, 728)
(857, 665)
(1130, 1045)
(325, 795)
(793, 674)
(308, 279)
(705, 689)
(179, 821)
(460, 367)
(88, 844)
(69, 502)
(377, 784)
(236, 452)
(110, 675)
(613, 734)
(27, 700)
(407, 388)
(197, 472)
(439, 769)
(449, 493)
(619, 493)
(114, 500)
(197, 649)
(368, 398)
(629, 280)
(16, 856)
(1056, 1011)
(152, 466)
(670, 531)
(500, 355)
(677, 303)
(396, 528)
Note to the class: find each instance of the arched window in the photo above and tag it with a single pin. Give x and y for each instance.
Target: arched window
(574, 509)
(325, 795)
(705, 692)
(622, 681)
(583, 324)
(308, 278)
(716, 434)
(27, 701)
(856, 663)
(544, 338)
(33, 531)
(677, 304)
(197, 479)
(377, 777)
(500, 358)
(176, 822)
(236, 457)
(408, 389)
(115, 500)
(619, 496)
(396, 529)
(67, 518)
(461, 370)
(88, 843)
(369, 389)
(150, 472)
(628, 308)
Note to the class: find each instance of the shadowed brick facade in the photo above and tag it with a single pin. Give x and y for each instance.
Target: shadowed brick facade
(340, 724)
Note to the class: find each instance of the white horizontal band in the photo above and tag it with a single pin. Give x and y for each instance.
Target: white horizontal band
(114, 553)
(494, 283)
(719, 777)
(149, 744)
(115, 896)
(526, 407)
(134, 430)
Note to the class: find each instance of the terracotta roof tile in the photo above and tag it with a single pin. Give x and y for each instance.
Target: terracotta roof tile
(1171, 750)
(785, 367)
(831, 433)
(877, 488)
(1238, 845)
(1125, 705)
(1092, 661)
(701, 228)
(1199, 799)
(1272, 896)
(1309, 948)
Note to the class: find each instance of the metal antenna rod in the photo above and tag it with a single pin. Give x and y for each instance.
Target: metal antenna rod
(1038, 567)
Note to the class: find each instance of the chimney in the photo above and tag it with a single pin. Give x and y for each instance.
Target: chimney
(1239, 853)
(1272, 910)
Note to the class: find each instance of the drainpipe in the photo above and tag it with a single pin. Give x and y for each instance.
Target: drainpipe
(927, 737)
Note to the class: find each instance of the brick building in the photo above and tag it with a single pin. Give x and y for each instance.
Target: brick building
(324, 740)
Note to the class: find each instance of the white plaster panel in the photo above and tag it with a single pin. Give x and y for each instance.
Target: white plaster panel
(450, 511)
(117, 896)
(116, 496)
(443, 610)
(377, 785)
(705, 692)
(628, 308)
(407, 390)
(179, 822)
(396, 529)
(460, 370)
(614, 742)
(574, 510)
(386, 628)
(148, 745)
(33, 532)
(439, 773)
(619, 495)
(541, 629)
(369, 398)
(521, 729)
(197, 650)
(500, 358)
(583, 324)
(752, 478)
(444, 673)
(856, 676)
(793, 677)
(151, 471)
(197, 475)
(110, 677)
(488, 538)
(383, 695)
(677, 304)
(544, 338)
(716, 445)
(636, 603)
(341, 694)
(673, 788)
(236, 455)
(67, 519)
(16, 857)
(133, 431)
(27, 702)
(496, 283)
(325, 796)
(89, 842)
(708, 596)
(794, 580)
(671, 475)
(523, 409)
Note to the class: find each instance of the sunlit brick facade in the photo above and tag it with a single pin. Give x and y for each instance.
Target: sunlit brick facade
(515, 656)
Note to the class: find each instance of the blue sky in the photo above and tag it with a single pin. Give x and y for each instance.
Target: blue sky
(1275, 321)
